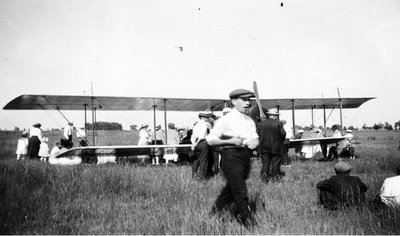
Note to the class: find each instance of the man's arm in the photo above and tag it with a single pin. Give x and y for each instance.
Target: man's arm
(324, 185)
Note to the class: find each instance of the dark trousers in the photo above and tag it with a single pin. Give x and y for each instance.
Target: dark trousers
(235, 165)
(33, 147)
(285, 149)
(203, 165)
(270, 166)
(332, 153)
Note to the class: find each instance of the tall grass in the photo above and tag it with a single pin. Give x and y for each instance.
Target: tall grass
(38, 198)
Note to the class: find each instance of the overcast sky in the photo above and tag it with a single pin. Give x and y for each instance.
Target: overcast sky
(200, 49)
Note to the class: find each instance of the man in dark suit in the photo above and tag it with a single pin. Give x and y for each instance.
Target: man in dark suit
(272, 135)
(342, 190)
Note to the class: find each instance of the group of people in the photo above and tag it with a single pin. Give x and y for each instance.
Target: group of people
(34, 145)
(236, 135)
(172, 137)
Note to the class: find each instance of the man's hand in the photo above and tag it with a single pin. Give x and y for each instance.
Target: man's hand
(253, 143)
(236, 140)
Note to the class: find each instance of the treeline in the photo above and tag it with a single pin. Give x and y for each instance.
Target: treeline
(104, 126)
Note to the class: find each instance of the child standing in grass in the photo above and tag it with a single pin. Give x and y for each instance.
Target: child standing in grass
(22, 146)
(44, 150)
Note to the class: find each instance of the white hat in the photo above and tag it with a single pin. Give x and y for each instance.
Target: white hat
(349, 131)
(300, 131)
(317, 131)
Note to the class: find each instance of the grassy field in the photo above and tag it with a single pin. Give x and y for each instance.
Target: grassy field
(37, 198)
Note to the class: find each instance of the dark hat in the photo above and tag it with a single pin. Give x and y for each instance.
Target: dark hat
(398, 169)
(241, 93)
(171, 125)
(342, 166)
(37, 125)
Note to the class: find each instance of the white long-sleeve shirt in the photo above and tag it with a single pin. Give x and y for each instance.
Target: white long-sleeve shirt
(67, 131)
(234, 124)
(200, 131)
(35, 132)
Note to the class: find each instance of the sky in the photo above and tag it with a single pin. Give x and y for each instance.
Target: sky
(200, 49)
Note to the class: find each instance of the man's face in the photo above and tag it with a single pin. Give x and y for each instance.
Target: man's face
(241, 104)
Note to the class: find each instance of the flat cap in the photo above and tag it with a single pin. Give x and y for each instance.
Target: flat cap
(342, 166)
(241, 93)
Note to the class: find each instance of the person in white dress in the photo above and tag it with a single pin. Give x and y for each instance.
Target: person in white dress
(22, 146)
(44, 150)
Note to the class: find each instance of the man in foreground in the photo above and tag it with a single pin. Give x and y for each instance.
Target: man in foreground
(341, 190)
(236, 134)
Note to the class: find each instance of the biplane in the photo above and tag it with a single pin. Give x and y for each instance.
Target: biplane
(107, 103)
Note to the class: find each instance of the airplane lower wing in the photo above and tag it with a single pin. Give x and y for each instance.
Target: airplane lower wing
(105, 154)
(314, 141)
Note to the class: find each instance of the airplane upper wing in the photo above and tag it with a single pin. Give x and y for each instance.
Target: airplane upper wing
(313, 141)
(315, 103)
(72, 102)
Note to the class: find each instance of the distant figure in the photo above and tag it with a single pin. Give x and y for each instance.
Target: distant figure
(68, 134)
(202, 166)
(172, 139)
(55, 151)
(390, 190)
(22, 146)
(144, 136)
(333, 148)
(55, 160)
(298, 149)
(236, 134)
(341, 190)
(159, 139)
(81, 135)
(348, 145)
(310, 151)
(272, 135)
(44, 150)
(35, 135)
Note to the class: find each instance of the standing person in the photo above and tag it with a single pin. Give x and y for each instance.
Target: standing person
(286, 143)
(35, 135)
(68, 134)
(81, 135)
(272, 135)
(200, 147)
(158, 140)
(236, 134)
(144, 136)
(22, 146)
(341, 190)
(44, 150)
(172, 139)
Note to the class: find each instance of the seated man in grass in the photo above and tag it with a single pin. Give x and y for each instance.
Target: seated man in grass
(341, 190)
